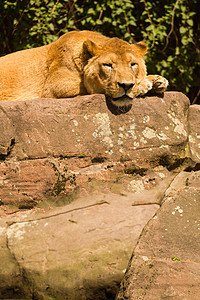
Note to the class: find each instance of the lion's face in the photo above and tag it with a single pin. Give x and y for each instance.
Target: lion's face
(115, 70)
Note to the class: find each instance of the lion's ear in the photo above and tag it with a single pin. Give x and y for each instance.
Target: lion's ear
(90, 48)
(140, 48)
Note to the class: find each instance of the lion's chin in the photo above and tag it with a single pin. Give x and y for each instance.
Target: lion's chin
(122, 101)
(119, 105)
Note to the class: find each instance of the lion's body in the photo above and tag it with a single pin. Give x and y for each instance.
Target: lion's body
(77, 63)
(22, 74)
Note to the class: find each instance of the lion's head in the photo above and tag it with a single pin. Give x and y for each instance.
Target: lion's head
(116, 69)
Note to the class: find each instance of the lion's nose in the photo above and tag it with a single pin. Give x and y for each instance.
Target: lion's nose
(126, 86)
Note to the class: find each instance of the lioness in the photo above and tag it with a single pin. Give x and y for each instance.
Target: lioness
(79, 63)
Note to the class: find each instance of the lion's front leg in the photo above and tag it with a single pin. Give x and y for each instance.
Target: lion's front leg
(62, 83)
(159, 83)
(152, 83)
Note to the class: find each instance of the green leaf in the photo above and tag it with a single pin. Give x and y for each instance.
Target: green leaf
(183, 29)
(190, 22)
(98, 22)
(91, 11)
(177, 51)
(150, 27)
(170, 58)
(184, 40)
(175, 259)
(164, 63)
(51, 26)
(119, 11)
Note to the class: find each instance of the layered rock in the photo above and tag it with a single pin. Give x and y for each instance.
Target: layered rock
(53, 147)
(165, 262)
(93, 178)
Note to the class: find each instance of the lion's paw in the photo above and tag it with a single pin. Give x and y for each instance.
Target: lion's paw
(159, 84)
(145, 86)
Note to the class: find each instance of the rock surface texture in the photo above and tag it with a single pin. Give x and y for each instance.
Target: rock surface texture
(82, 187)
(166, 260)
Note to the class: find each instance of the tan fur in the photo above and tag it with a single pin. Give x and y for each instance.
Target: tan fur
(78, 63)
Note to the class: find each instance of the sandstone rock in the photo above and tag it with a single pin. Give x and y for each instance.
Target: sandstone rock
(194, 132)
(45, 143)
(165, 262)
(79, 251)
(57, 127)
(93, 178)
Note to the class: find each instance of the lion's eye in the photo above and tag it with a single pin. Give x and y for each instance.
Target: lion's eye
(133, 65)
(108, 66)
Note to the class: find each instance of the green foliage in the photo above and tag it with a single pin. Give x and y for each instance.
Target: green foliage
(170, 29)
(175, 259)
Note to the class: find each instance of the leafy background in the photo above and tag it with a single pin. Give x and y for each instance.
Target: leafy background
(170, 29)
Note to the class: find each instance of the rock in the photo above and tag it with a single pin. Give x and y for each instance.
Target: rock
(78, 183)
(41, 128)
(165, 262)
(79, 251)
(45, 143)
(194, 132)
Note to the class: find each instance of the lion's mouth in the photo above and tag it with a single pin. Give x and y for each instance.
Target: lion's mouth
(123, 98)
(122, 101)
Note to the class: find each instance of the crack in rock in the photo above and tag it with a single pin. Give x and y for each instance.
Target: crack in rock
(59, 213)
(9, 150)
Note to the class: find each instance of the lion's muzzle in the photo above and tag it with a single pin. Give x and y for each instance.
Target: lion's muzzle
(126, 86)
